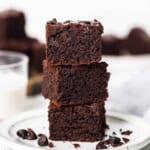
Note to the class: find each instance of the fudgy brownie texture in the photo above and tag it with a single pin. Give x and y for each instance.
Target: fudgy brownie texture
(12, 25)
(71, 85)
(77, 123)
(73, 43)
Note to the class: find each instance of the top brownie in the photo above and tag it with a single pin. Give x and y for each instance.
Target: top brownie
(12, 25)
(73, 43)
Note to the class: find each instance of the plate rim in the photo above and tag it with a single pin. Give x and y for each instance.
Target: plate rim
(110, 113)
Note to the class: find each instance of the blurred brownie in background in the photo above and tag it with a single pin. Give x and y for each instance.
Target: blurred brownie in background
(110, 45)
(29, 46)
(12, 25)
(73, 43)
(138, 41)
(22, 46)
(13, 37)
(37, 55)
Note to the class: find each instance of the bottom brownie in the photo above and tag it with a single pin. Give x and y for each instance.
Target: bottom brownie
(77, 123)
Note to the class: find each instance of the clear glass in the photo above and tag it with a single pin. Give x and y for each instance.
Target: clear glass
(13, 83)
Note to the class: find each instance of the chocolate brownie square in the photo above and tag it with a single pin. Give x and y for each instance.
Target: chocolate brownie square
(70, 85)
(73, 43)
(12, 25)
(77, 123)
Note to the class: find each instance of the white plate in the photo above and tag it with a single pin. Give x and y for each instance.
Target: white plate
(37, 120)
(147, 115)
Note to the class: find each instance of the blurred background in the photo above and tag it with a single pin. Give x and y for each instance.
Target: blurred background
(126, 44)
(116, 16)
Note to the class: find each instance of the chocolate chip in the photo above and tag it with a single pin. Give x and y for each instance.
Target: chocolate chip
(53, 21)
(101, 145)
(114, 133)
(42, 141)
(115, 141)
(85, 22)
(22, 133)
(67, 21)
(50, 144)
(95, 20)
(128, 132)
(126, 140)
(76, 145)
(31, 135)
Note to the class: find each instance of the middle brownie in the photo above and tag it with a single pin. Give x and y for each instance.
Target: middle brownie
(71, 85)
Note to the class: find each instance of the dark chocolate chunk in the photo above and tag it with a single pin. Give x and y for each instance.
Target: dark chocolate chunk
(31, 135)
(127, 132)
(115, 141)
(42, 141)
(22, 133)
(126, 140)
(101, 145)
(27, 134)
(76, 145)
(50, 144)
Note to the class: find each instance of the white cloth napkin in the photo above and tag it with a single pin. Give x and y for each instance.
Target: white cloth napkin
(133, 95)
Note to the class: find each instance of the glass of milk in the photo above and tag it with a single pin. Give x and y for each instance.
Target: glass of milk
(13, 83)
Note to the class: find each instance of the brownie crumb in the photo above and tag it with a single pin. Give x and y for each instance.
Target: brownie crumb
(22, 133)
(107, 126)
(126, 140)
(42, 141)
(128, 132)
(76, 145)
(105, 135)
(31, 135)
(101, 145)
(50, 144)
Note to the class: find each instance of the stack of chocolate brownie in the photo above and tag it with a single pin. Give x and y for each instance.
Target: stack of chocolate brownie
(75, 81)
